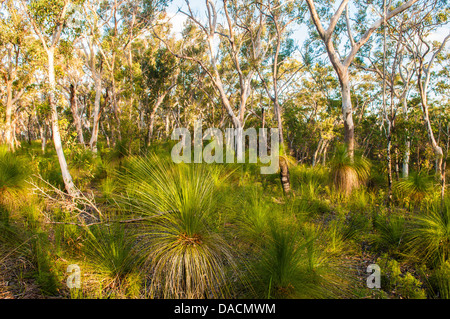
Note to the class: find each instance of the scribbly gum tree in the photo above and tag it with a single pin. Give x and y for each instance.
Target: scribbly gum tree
(340, 27)
(48, 19)
(422, 49)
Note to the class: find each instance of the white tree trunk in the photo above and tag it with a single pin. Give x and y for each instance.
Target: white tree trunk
(95, 126)
(349, 128)
(70, 187)
(9, 107)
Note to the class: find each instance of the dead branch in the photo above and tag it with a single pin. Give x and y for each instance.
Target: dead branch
(81, 203)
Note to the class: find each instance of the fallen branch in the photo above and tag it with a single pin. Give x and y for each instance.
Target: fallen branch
(70, 202)
(135, 220)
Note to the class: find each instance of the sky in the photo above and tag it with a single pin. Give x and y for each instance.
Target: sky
(300, 31)
(199, 9)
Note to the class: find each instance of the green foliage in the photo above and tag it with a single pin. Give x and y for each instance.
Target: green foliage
(415, 187)
(402, 285)
(430, 234)
(14, 170)
(442, 280)
(111, 250)
(390, 231)
(45, 275)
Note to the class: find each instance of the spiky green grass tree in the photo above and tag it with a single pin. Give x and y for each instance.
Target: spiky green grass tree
(186, 258)
(430, 234)
(348, 173)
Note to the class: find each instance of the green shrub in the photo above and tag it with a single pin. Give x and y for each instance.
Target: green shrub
(390, 232)
(392, 280)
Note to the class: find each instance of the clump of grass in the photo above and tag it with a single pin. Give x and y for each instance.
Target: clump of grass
(255, 214)
(13, 172)
(305, 175)
(295, 261)
(186, 258)
(442, 280)
(281, 261)
(45, 275)
(112, 252)
(390, 232)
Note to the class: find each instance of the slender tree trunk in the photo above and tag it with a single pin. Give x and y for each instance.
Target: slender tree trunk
(75, 114)
(43, 138)
(407, 154)
(349, 129)
(9, 107)
(68, 182)
(167, 124)
(397, 174)
(324, 160)
(153, 114)
(108, 143)
(316, 153)
(98, 94)
(284, 175)
(444, 163)
(389, 161)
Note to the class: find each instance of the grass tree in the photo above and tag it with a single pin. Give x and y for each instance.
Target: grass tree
(278, 16)
(187, 258)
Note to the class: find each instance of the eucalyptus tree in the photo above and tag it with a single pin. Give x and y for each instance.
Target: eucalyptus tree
(341, 62)
(94, 61)
(17, 65)
(71, 80)
(48, 20)
(160, 76)
(384, 63)
(114, 25)
(425, 54)
(225, 50)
